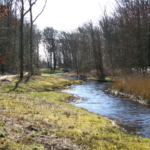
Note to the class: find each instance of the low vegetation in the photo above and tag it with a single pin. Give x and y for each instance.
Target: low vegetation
(137, 85)
(51, 71)
(36, 116)
(106, 79)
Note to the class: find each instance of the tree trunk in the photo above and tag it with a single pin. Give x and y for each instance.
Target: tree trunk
(148, 50)
(31, 41)
(21, 41)
(54, 59)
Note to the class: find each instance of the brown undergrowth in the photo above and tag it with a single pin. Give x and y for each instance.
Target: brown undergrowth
(138, 85)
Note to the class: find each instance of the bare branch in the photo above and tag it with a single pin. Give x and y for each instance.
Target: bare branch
(40, 12)
(30, 6)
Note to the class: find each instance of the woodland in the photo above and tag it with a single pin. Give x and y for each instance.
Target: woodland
(118, 44)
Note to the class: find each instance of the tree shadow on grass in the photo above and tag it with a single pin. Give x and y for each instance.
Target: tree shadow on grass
(20, 80)
(27, 79)
(17, 83)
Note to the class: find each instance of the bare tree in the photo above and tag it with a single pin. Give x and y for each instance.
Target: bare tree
(96, 44)
(31, 3)
(50, 36)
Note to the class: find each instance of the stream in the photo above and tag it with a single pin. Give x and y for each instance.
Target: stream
(132, 116)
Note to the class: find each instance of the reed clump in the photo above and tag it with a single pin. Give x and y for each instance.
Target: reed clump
(138, 85)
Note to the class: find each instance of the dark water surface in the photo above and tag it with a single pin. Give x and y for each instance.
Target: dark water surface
(132, 116)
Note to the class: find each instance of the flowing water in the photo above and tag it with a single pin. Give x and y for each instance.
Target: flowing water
(133, 117)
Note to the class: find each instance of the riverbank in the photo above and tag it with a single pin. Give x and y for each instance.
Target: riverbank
(132, 87)
(87, 77)
(36, 117)
(128, 95)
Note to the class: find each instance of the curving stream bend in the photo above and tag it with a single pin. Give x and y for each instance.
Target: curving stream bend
(133, 117)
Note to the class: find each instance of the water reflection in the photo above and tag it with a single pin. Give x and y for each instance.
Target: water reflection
(134, 117)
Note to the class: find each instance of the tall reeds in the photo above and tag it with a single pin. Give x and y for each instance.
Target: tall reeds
(138, 85)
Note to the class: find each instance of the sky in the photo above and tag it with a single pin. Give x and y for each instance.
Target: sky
(68, 15)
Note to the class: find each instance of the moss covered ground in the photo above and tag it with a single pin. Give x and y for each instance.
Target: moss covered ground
(35, 116)
(50, 71)
(106, 79)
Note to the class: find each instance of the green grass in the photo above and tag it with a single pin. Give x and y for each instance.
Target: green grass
(109, 79)
(49, 71)
(38, 84)
(36, 118)
(106, 79)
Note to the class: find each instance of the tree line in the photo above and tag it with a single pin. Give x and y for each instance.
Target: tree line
(19, 37)
(118, 44)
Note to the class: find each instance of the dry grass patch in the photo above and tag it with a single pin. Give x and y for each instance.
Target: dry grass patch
(136, 85)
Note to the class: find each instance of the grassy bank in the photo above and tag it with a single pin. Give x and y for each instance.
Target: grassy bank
(136, 85)
(50, 71)
(36, 117)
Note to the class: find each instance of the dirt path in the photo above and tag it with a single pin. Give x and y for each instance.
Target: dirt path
(6, 76)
